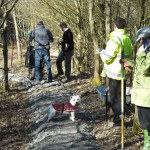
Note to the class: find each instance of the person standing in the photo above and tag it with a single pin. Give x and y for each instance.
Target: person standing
(66, 53)
(42, 38)
(29, 58)
(111, 56)
(140, 95)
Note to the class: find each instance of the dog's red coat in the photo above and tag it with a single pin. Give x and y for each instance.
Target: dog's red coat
(64, 107)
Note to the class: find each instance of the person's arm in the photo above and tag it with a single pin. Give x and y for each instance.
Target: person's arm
(109, 54)
(143, 61)
(68, 40)
(31, 37)
(50, 35)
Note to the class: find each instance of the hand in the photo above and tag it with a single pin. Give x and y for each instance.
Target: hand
(66, 46)
(127, 67)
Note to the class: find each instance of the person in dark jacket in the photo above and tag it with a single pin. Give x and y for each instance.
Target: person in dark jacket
(66, 53)
(29, 58)
(42, 38)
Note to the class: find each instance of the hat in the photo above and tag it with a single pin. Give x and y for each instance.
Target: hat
(143, 32)
(40, 23)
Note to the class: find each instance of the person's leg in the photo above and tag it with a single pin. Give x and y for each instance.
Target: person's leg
(32, 64)
(48, 64)
(144, 119)
(32, 74)
(115, 99)
(42, 68)
(59, 63)
(68, 56)
(38, 59)
(29, 72)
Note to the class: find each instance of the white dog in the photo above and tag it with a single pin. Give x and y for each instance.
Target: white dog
(70, 106)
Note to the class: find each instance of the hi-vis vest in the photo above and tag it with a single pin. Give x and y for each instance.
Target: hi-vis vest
(112, 54)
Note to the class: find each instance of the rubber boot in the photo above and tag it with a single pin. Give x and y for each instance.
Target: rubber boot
(146, 140)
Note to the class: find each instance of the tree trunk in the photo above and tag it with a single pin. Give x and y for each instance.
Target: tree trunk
(96, 79)
(17, 36)
(140, 11)
(5, 56)
(107, 24)
(108, 17)
(80, 54)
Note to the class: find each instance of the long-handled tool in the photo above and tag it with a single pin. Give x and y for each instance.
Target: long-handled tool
(122, 95)
(106, 103)
(122, 113)
(122, 99)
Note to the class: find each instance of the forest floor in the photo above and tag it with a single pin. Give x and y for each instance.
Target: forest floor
(15, 122)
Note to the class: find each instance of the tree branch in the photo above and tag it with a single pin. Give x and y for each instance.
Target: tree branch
(7, 12)
(2, 2)
(147, 19)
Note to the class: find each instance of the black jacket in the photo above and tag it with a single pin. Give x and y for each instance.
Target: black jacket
(67, 38)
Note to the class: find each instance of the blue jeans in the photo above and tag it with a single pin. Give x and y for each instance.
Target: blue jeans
(40, 56)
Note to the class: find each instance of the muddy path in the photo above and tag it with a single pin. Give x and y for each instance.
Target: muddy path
(58, 134)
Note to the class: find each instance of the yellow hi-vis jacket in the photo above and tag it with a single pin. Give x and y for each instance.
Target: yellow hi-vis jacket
(112, 54)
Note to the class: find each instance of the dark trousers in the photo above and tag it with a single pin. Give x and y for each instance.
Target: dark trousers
(144, 117)
(66, 57)
(31, 73)
(115, 98)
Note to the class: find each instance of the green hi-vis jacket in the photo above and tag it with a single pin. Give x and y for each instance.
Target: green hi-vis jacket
(140, 94)
(112, 54)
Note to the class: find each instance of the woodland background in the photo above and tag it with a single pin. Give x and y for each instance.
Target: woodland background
(90, 20)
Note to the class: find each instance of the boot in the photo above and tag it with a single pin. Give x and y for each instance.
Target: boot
(146, 140)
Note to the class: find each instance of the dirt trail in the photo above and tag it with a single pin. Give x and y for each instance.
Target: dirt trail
(24, 126)
(60, 133)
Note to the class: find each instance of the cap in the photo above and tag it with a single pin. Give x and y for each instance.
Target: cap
(143, 32)
(40, 23)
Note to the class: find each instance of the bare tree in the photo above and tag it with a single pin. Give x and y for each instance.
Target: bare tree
(5, 8)
(96, 79)
(17, 35)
